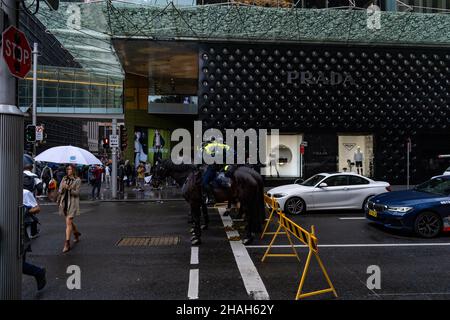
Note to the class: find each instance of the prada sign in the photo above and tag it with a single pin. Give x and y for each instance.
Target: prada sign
(331, 78)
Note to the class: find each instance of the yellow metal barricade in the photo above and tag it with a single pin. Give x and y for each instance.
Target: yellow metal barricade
(309, 239)
(273, 207)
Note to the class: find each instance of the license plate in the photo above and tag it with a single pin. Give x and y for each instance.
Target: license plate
(373, 213)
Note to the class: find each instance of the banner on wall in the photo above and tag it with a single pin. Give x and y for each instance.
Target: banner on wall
(140, 145)
(158, 145)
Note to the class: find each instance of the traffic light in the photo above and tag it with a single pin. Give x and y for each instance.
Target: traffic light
(30, 133)
(105, 143)
(123, 138)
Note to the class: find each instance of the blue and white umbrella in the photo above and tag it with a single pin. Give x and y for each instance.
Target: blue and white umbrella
(69, 155)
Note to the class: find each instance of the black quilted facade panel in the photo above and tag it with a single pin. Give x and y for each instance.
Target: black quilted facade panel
(392, 93)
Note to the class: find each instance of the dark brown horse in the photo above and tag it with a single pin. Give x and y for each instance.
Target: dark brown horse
(188, 177)
(248, 186)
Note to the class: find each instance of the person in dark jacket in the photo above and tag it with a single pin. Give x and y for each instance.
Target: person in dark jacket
(128, 172)
(121, 176)
(96, 181)
(60, 173)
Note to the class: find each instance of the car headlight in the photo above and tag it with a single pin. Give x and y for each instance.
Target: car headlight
(279, 195)
(400, 209)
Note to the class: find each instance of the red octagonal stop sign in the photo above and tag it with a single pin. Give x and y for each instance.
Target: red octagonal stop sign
(16, 51)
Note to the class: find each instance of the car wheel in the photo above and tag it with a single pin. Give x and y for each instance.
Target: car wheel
(428, 225)
(365, 202)
(295, 206)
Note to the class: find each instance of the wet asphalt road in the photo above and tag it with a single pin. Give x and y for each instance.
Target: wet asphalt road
(411, 268)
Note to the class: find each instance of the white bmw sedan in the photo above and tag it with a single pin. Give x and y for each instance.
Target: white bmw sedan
(327, 191)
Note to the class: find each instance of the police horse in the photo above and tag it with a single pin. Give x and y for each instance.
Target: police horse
(246, 188)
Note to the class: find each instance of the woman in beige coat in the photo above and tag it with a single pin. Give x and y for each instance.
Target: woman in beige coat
(69, 203)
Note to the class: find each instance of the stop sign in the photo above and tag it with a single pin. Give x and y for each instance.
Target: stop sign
(16, 51)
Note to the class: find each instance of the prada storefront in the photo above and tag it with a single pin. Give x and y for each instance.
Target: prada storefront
(353, 108)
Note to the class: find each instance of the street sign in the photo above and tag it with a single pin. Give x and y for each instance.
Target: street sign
(16, 51)
(305, 143)
(39, 133)
(114, 141)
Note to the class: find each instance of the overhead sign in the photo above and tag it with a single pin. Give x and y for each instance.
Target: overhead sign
(114, 141)
(16, 52)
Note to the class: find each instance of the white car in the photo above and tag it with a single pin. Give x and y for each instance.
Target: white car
(446, 172)
(327, 191)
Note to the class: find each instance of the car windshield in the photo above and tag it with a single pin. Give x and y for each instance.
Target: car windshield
(311, 182)
(437, 186)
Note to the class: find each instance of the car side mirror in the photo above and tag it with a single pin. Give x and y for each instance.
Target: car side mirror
(323, 185)
(299, 181)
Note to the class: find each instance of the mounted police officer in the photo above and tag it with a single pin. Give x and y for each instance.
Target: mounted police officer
(214, 149)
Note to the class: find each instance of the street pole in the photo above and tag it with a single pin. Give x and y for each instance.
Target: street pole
(11, 159)
(114, 162)
(34, 116)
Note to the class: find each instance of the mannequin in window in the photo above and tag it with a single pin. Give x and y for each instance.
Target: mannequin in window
(273, 162)
(358, 157)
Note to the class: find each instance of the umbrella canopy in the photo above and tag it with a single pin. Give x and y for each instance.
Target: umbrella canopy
(68, 154)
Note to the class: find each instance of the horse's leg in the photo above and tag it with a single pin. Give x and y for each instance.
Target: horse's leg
(227, 212)
(248, 224)
(240, 210)
(196, 216)
(205, 214)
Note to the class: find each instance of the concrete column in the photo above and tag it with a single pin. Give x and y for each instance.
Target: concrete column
(114, 163)
(11, 153)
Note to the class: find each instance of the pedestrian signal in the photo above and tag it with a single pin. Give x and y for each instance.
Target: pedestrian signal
(30, 133)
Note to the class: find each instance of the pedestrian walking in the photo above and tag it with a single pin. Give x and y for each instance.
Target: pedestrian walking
(31, 208)
(128, 172)
(141, 176)
(33, 184)
(121, 176)
(96, 181)
(60, 173)
(69, 203)
(107, 176)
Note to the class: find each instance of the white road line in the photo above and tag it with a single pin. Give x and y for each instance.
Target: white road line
(193, 284)
(252, 280)
(412, 294)
(361, 245)
(353, 218)
(194, 255)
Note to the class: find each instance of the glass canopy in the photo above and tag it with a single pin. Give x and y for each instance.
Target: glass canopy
(86, 28)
